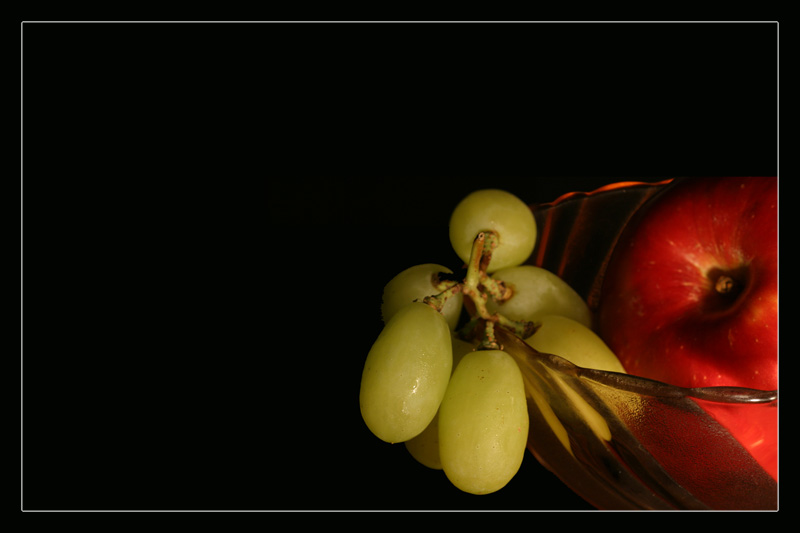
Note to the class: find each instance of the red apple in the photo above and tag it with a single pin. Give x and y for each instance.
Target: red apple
(690, 296)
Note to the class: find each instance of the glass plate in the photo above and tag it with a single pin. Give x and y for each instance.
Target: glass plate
(621, 441)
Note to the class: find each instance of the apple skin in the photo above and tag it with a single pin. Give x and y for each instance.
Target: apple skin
(660, 310)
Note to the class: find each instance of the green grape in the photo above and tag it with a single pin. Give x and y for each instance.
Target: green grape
(500, 212)
(536, 293)
(425, 446)
(415, 283)
(574, 342)
(406, 373)
(483, 422)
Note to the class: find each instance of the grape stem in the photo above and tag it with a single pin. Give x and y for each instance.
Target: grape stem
(478, 286)
(448, 289)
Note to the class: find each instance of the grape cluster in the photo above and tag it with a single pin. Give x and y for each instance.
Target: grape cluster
(451, 393)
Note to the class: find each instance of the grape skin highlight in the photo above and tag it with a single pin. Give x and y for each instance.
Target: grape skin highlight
(406, 373)
(500, 212)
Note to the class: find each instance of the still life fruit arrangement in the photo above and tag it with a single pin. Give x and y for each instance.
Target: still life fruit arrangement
(674, 360)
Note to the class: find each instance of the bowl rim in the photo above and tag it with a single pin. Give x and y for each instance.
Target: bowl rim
(642, 385)
(610, 187)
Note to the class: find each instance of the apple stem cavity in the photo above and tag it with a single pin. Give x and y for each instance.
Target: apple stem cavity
(725, 284)
(725, 290)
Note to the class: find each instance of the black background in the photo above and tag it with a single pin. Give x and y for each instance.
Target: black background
(210, 212)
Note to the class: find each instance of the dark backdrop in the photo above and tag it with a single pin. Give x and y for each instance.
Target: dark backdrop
(210, 212)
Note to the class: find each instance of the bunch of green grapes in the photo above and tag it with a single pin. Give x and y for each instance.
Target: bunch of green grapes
(446, 388)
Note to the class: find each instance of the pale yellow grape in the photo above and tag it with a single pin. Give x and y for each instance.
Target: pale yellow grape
(406, 373)
(574, 342)
(498, 211)
(415, 283)
(425, 446)
(483, 422)
(578, 344)
(537, 292)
